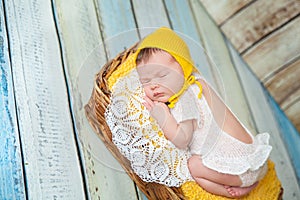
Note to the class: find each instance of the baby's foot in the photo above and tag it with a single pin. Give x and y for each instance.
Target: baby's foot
(240, 191)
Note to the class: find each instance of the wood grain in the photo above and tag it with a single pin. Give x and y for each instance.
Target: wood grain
(222, 10)
(258, 20)
(117, 25)
(12, 181)
(48, 144)
(275, 51)
(157, 18)
(284, 84)
(293, 112)
(291, 139)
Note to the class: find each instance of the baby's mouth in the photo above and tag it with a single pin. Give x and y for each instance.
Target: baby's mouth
(158, 94)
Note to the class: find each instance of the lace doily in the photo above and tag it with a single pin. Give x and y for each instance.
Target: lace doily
(138, 137)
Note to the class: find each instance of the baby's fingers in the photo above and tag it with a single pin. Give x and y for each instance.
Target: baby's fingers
(148, 107)
(148, 103)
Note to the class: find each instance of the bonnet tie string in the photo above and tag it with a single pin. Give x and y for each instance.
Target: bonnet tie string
(191, 80)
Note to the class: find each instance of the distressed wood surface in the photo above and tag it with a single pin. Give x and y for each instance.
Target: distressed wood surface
(258, 20)
(11, 172)
(117, 25)
(226, 77)
(268, 56)
(293, 112)
(83, 59)
(52, 167)
(282, 90)
(265, 121)
(222, 10)
(158, 17)
(291, 138)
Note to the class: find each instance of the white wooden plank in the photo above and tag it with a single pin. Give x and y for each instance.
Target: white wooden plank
(258, 20)
(49, 149)
(84, 55)
(222, 10)
(284, 84)
(117, 25)
(157, 18)
(291, 138)
(225, 75)
(11, 174)
(266, 121)
(275, 51)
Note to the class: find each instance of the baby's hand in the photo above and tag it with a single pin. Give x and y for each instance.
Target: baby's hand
(158, 110)
(148, 103)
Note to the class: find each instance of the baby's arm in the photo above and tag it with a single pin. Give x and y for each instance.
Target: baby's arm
(180, 134)
(223, 115)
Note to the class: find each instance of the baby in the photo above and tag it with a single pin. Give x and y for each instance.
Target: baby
(226, 159)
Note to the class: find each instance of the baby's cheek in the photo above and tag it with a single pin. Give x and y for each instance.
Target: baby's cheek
(174, 84)
(147, 92)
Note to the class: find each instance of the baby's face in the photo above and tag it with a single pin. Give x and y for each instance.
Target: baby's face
(161, 76)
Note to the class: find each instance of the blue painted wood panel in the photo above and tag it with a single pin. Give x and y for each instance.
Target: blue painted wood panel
(290, 135)
(44, 121)
(117, 25)
(11, 174)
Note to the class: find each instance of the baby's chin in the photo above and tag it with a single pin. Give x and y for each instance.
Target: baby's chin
(162, 99)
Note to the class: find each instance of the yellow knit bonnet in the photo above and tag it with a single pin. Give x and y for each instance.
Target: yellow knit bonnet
(167, 40)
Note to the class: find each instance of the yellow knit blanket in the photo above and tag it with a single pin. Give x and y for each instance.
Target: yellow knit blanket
(267, 189)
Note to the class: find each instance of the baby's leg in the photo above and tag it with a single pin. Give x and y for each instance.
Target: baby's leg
(198, 170)
(215, 182)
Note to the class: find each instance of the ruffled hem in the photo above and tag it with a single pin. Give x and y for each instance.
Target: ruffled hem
(245, 157)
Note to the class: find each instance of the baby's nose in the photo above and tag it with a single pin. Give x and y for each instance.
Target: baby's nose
(154, 86)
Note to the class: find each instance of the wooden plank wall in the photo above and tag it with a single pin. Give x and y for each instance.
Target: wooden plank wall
(11, 173)
(50, 157)
(266, 34)
(51, 52)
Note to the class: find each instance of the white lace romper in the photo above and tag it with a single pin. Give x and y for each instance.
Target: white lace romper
(219, 150)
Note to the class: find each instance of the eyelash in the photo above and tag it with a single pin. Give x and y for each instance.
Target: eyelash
(148, 81)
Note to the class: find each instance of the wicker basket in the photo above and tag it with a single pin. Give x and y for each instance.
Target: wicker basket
(95, 110)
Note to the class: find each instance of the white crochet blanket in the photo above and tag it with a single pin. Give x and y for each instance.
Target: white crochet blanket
(139, 138)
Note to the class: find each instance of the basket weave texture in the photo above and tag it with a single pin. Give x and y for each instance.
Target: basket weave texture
(95, 110)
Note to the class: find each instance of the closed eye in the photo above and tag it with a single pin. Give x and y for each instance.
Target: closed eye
(144, 81)
(163, 75)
